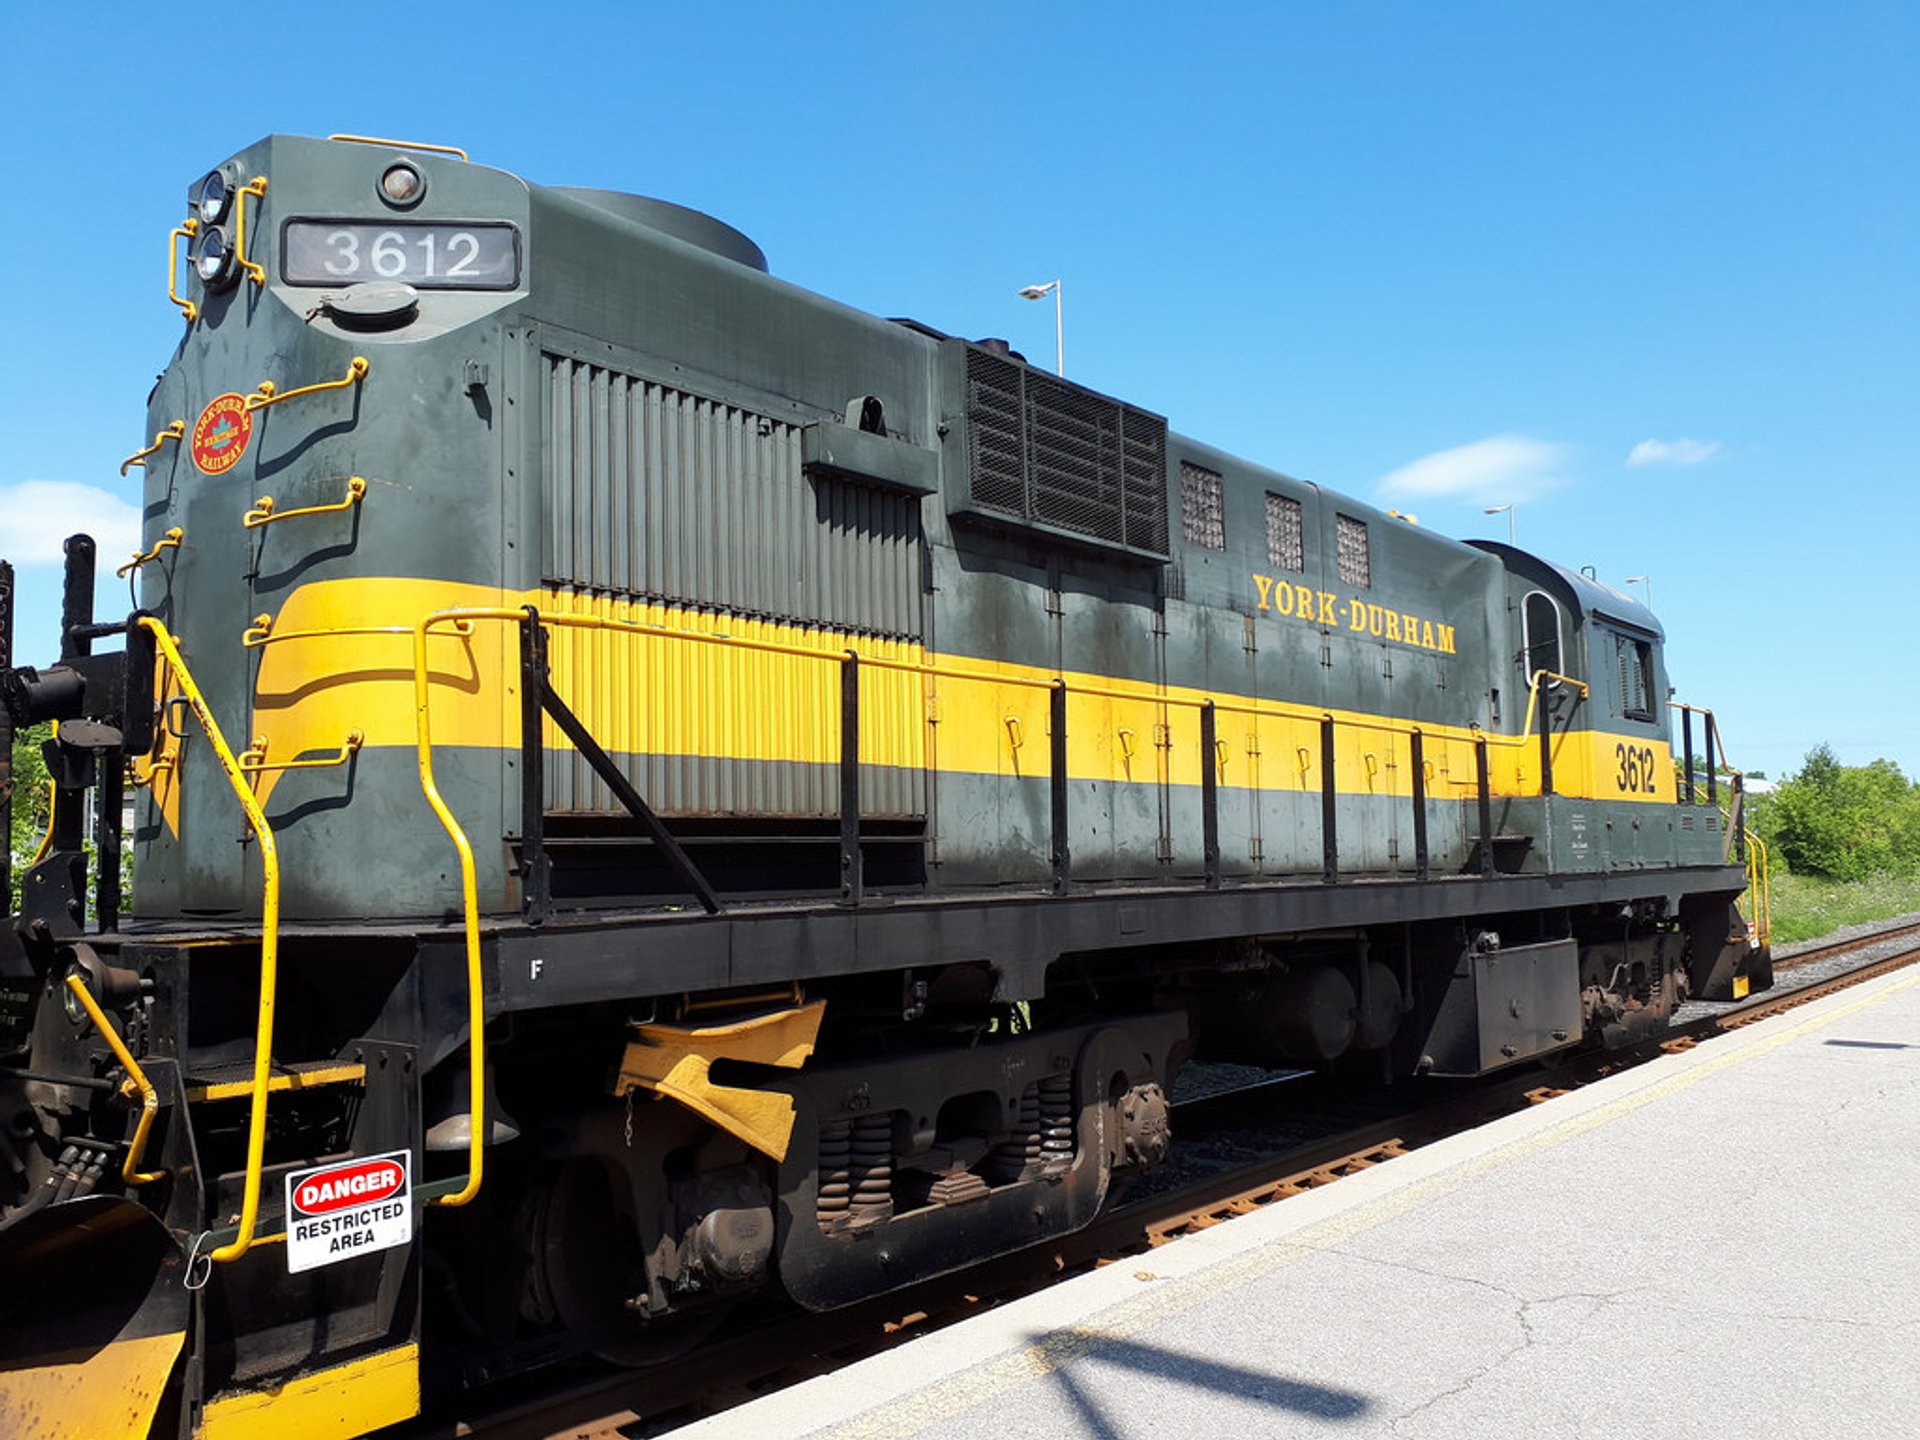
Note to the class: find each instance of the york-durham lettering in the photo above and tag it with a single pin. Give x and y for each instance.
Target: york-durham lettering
(1362, 617)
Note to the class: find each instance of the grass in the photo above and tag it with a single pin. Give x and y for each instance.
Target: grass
(1805, 906)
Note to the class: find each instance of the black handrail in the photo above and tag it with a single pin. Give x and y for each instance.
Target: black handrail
(1209, 795)
(1057, 784)
(1486, 804)
(1329, 807)
(1419, 760)
(852, 866)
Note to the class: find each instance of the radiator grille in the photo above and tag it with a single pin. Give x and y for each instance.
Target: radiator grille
(1050, 453)
(656, 493)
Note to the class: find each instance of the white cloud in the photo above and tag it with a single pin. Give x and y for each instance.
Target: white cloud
(36, 515)
(1672, 452)
(1501, 468)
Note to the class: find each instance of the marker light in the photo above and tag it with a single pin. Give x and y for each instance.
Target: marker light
(213, 259)
(211, 197)
(402, 185)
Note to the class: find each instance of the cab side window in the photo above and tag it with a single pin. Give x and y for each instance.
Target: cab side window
(1541, 617)
(1634, 660)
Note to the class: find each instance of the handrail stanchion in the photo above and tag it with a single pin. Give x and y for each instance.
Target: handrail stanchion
(1209, 796)
(1546, 746)
(1417, 745)
(1057, 784)
(1686, 742)
(1713, 779)
(1329, 805)
(536, 875)
(1486, 804)
(852, 867)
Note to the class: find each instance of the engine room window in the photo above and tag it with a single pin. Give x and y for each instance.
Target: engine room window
(1355, 569)
(1636, 677)
(1285, 544)
(1202, 519)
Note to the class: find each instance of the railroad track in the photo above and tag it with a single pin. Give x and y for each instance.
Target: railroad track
(782, 1350)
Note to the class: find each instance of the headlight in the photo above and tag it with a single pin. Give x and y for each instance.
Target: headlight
(402, 185)
(211, 197)
(213, 259)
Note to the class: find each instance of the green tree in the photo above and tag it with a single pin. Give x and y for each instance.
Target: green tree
(29, 799)
(1846, 822)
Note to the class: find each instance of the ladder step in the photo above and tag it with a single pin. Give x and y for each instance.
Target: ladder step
(231, 1082)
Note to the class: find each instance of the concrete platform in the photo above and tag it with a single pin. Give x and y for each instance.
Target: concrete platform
(1722, 1243)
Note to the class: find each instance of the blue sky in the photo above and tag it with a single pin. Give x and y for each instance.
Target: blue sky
(1649, 272)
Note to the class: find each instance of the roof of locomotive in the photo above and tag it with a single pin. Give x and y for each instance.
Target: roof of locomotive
(1582, 594)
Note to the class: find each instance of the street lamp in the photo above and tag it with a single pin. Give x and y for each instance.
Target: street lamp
(1646, 580)
(1040, 292)
(1506, 510)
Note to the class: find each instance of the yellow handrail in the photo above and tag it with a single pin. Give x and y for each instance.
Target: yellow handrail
(1760, 885)
(269, 938)
(175, 429)
(53, 798)
(169, 541)
(263, 512)
(136, 1084)
(266, 393)
(257, 188)
(254, 758)
(261, 633)
(185, 230)
(469, 908)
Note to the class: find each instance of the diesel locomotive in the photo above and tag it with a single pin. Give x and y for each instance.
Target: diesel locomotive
(646, 787)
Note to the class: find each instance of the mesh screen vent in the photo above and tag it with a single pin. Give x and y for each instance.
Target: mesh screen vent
(1049, 453)
(1202, 519)
(1355, 568)
(1285, 538)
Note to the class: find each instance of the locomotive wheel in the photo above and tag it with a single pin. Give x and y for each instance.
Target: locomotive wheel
(588, 1262)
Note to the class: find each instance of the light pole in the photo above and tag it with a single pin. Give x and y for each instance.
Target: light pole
(1646, 580)
(1507, 510)
(1040, 292)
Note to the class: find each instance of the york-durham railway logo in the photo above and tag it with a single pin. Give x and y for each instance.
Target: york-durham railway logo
(221, 433)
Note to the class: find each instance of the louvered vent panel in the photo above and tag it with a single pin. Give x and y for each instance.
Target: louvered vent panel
(1050, 453)
(657, 493)
(692, 513)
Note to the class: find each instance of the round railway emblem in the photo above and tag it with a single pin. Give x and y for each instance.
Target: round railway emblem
(221, 433)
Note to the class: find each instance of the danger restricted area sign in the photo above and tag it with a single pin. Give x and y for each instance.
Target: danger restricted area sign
(348, 1208)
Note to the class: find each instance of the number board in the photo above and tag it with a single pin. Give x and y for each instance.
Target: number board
(484, 255)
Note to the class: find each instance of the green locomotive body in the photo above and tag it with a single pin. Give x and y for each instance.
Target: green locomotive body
(577, 668)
